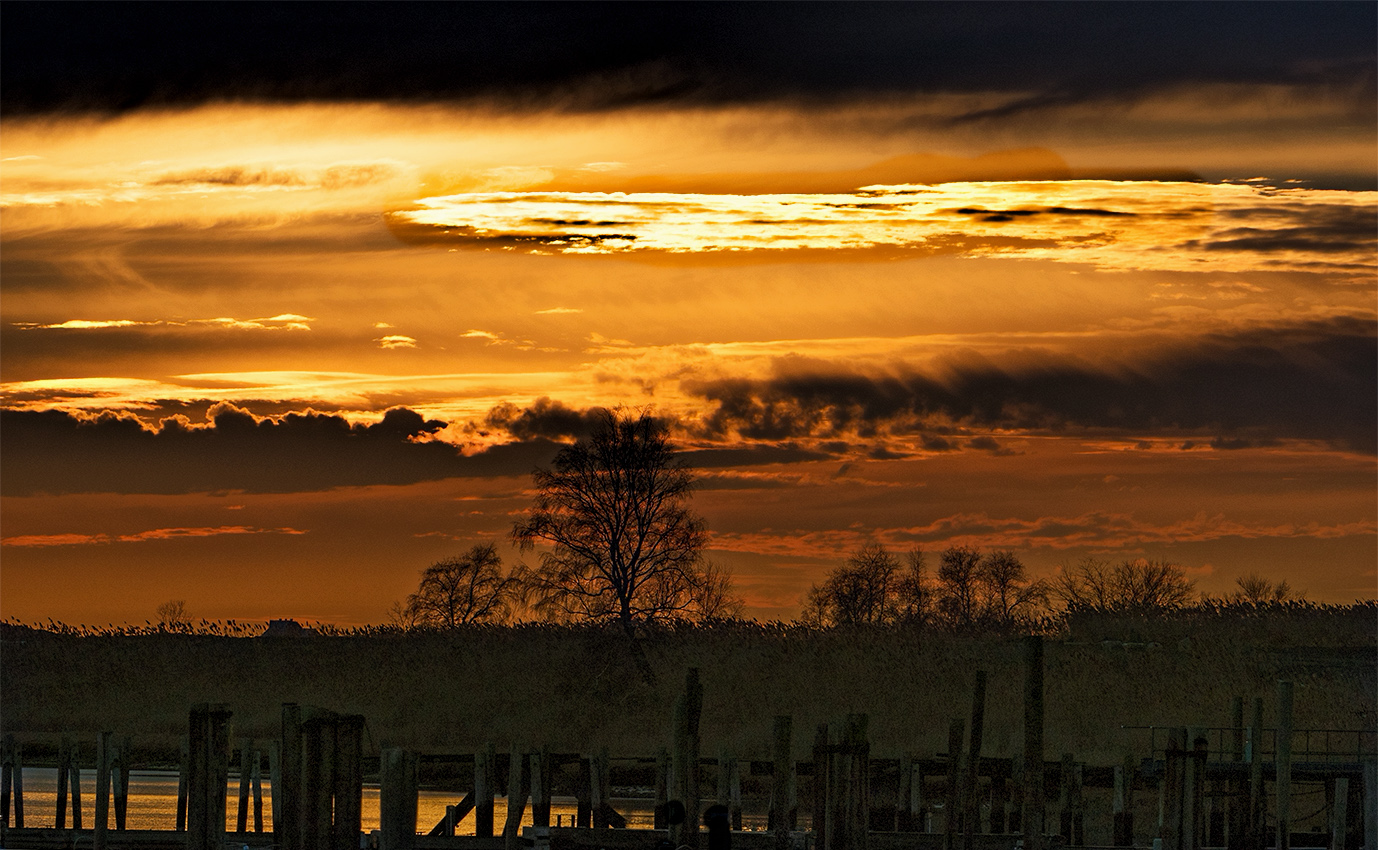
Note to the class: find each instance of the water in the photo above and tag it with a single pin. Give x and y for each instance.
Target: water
(153, 804)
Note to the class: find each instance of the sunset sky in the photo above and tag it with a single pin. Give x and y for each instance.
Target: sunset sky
(296, 296)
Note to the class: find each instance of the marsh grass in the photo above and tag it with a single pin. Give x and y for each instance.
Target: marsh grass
(576, 688)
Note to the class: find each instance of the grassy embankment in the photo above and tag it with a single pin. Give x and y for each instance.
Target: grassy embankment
(577, 690)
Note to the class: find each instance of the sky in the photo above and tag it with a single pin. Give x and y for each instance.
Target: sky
(294, 297)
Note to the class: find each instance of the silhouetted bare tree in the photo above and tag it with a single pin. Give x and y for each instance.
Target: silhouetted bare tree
(624, 545)
(173, 616)
(470, 588)
(1138, 586)
(860, 592)
(1254, 589)
(991, 591)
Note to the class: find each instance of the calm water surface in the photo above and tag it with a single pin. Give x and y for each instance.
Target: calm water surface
(153, 804)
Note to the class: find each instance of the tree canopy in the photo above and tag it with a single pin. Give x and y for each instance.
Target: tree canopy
(623, 543)
(470, 588)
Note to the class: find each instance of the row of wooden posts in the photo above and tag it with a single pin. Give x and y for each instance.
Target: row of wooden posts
(316, 770)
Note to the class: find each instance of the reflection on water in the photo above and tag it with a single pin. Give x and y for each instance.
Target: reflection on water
(153, 804)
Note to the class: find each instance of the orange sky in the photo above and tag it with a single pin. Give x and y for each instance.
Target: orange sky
(215, 306)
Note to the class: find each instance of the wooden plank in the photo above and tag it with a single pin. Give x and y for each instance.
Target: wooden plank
(1237, 811)
(821, 784)
(396, 800)
(64, 767)
(1370, 804)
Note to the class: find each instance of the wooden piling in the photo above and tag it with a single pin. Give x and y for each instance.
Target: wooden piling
(1171, 802)
(734, 797)
(1370, 804)
(64, 768)
(1071, 819)
(517, 788)
(483, 791)
(858, 797)
(208, 775)
(183, 766)
(105, 743)
(540, 788)
(583, 795)
(1255, 839)
(397, 799)
(119, 778)
(1283, 783)
(1122, 806)
(1032, 817)
(1339, 815)
(904, 818)
(821, 784)
(1237, 787)
(6, 781)
(256, 786)
(971, 781)
(287, 782)
(1194, 817)
(598, 793)
(349, 781)
(684, 760)
(952, 803)
(999, 802)
(662, 787)
(315, 784)
(246, 752)
(782, 770)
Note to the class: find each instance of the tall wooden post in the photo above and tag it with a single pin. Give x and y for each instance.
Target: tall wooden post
(1122, 806)
(209, 768)
(821, 784)
(1236, 817)
(287, 807)
(256, 781)
(663, 783)
(971, 784)
(246, 751)
(397, 799)
(6, 783)
(1339, 815)
(598, 771)
(583, 795)
(1370, 804)
(904, 819)
(349, 781)
(1032, 818)
(782, 775)
(517, 787)
(1283, 783)
(1172, 803)
(183, 775)
(105, 742)
(483, 790)
(685, 760)
(952, 805)
(64, 768)
(1256, 839)
(540, 788)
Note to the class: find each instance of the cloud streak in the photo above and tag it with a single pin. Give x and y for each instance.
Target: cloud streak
(1115, 226)
(1307, 381)
(46, 540)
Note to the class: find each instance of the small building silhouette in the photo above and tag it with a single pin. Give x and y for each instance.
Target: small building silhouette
(286, 628)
